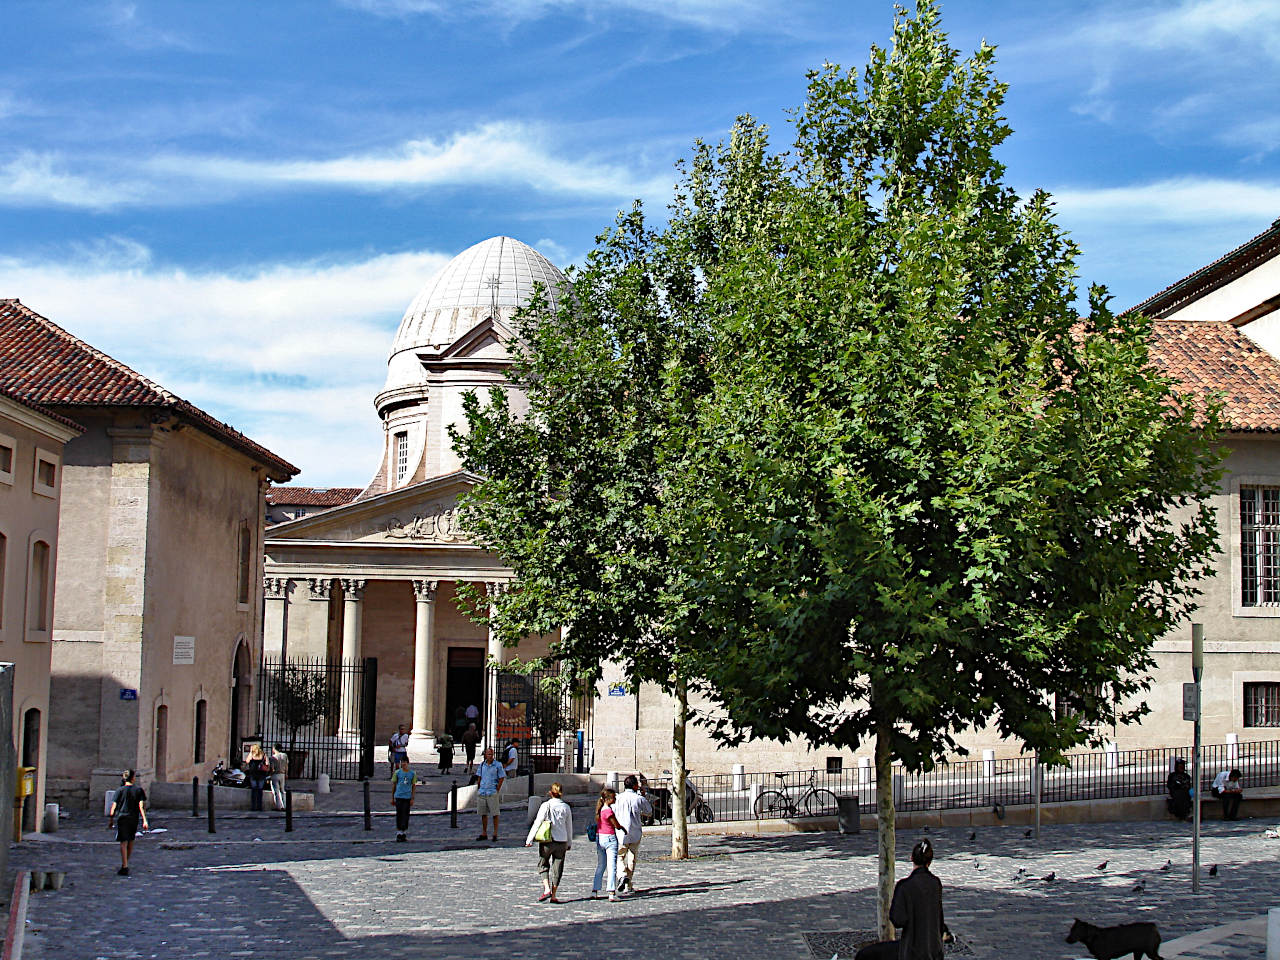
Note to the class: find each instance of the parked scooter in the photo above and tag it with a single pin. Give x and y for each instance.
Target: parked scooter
(220, 776)
(695, 805)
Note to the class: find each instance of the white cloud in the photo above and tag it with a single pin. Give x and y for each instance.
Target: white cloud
(720, 15)
(292, 354)
(495, 154)
(1184, 200)
(1191, 25)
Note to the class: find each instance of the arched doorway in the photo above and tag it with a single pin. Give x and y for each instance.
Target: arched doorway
(241, 705)
(30, 758)
(161, 761)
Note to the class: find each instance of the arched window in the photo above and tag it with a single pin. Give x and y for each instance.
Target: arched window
(162, 743)
(246, 554)
(38, 590)
(202, 712)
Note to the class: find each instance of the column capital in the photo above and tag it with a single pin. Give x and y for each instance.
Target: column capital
(496, 588)
(318, 587)
(276, 588)
(424, 591)
(353, 589)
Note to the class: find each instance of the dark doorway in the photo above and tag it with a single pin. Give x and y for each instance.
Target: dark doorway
(464, 687)
(30, 758)
(161, 765)
(241, 690)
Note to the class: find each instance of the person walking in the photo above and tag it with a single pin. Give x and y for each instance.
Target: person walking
(403, 786)
(469, 740)
(398, 748)
(128, 809)
(279, 773)
(917, 908)
(553, 829)
(489, 779)
(607, 831)
(630, 809)
(256, 771)
(511, 762)
(445, 748)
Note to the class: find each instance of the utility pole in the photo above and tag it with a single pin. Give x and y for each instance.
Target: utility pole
(1197, 672)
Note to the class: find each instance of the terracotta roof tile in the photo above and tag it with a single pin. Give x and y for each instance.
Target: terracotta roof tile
(1212, 356)
(43, 411)
(312, 496)
(42, 363)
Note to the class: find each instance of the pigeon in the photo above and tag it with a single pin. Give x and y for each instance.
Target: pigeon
(1213, 871)
(1049, 877)
(1102, 865)
(1027, 835)
(1139, 887)
(1019, 875)
(1168, 865)
(973, 836)
(977, 864)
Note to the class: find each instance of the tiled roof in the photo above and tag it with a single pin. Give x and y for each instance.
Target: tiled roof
(312, 496)
(42, 363)
(1222, 271)
(43, 411)
(1207, 356)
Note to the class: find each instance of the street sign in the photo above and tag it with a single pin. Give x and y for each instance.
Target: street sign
(127, 693)
(617, 689)
(1188, 701)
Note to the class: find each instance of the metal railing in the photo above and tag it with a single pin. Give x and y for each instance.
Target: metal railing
(959, 784)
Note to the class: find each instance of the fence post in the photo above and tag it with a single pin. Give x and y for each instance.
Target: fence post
(212, 828)
(531, 786)
(368, 811)
(453, 805)
(195, 796)
(288, 811)
(988, 763)
(368, 705)
(1036, 774)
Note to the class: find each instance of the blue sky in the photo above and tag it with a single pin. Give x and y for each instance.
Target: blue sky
(240, 199)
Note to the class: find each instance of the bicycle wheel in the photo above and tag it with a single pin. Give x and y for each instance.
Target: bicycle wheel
(821, 803)
(704, 813)
(770, 804)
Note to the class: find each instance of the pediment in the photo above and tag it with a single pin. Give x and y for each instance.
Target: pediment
(487, 340)
(424, 514)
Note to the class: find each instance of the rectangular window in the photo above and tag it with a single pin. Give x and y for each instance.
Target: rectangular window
(246, 554)
(39, 588)
(402, 456)
(1262, 704)
(835, 765)
(7, 447)
(1260, 546)
(202, 707)
(45, 481)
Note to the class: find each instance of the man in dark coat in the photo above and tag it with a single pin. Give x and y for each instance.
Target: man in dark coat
(1179, 787)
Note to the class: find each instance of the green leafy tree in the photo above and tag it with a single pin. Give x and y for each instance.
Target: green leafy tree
(929, 497)
(298, 697)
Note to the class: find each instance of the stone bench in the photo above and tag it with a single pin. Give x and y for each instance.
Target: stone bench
(1257, 802)
(177, 796)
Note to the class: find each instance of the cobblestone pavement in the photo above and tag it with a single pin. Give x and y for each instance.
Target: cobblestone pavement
(330, 890)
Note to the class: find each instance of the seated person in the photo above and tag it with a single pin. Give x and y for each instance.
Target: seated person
(1179, 787)
(1231, 793)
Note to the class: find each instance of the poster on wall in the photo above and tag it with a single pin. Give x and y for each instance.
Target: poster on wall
(513, 708)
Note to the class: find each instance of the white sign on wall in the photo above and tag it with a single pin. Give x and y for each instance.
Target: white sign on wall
(184, 650)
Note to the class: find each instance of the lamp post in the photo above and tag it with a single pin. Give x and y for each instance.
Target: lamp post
(1197, 671)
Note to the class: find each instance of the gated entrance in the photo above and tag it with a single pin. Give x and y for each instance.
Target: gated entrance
(547, 715)
(323, 713)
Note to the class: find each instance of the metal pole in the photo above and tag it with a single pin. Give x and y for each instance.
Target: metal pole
(1036, 774)
(288, 811)
(1197, 671)
(195, 796)
(212, 828)
(453, 805)
(368, 811)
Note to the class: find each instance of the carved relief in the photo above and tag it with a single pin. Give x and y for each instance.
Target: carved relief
(275, 588)
(353, 589)
(319, 587)
(436, 522)
(425, 590)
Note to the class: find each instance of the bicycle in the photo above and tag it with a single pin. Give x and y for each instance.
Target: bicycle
(816, 801)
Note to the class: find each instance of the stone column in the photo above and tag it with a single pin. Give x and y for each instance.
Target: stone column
(275, 623)
(424, 593)
(352, 595)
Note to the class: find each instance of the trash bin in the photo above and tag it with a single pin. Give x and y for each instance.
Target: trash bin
(848, 814)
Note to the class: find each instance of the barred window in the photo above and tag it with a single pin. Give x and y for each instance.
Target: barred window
(1262, 704)
(402, 455)
(1260, 546)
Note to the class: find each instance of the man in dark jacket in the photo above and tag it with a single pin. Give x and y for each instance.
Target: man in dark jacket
(1179, 787)
(917, 909)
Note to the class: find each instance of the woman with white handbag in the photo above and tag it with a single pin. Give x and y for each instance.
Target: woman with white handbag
(553, 829)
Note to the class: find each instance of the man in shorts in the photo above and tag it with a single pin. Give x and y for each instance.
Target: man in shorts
(489, 776)
(127, 809)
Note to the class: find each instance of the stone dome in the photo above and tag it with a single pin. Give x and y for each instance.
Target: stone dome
(499, 270)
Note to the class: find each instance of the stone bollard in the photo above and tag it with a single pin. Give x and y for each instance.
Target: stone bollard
(988, 763)
(611, 780)
(50, 824)
(1273, 933)
(739, 777)
(322, 783)
(108, 800)
(864, 770)
(53, 880)
(1112, 753)
(37, 880)
(1233, 747)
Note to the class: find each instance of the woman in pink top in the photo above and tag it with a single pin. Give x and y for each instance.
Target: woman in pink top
(607, 830)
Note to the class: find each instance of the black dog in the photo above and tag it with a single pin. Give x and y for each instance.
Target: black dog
(1107, 943)
(891, 949)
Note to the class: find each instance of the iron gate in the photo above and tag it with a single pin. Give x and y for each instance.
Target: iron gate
(547, 715)
(322, 712)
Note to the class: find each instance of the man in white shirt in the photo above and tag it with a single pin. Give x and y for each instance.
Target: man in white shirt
(511, 761)
(630, 806)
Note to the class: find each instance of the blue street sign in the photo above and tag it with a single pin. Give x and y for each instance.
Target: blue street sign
(128, 693)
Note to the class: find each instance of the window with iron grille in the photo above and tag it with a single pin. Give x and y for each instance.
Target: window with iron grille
(402, 455)
(1262, 704)
(1260, 546)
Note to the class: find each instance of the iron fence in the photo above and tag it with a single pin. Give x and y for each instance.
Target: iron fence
(548, 716)
(985, 783)
(322, 711)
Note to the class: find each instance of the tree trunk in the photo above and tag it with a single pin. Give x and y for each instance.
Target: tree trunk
(886, 828)
(679, 815)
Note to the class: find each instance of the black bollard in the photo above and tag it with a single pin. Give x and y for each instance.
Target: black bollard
(212, 829)
(531, 781)
(288, 811)
(453, 805)
(368, 811)
(195, 796)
